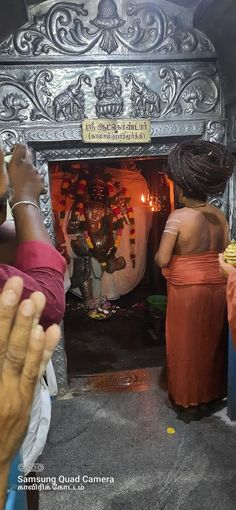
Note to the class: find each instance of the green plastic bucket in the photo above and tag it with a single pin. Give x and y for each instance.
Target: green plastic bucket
(157, 302)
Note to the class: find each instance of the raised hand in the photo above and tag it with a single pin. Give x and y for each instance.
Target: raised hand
(25, 350)
(24, 178)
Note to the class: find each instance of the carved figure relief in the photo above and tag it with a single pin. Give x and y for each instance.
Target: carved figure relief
(216, 131)
(70, 103)
(9, 138)
(182, 90)
(108, 21)
(198, 90)
(146, 28)
(12, 106)
(181, 93)
(145, 102)
(37, 97)
(108, 90)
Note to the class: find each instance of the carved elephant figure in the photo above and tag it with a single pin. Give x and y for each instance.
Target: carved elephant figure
(69, 104)
(145, 101)
(151, 101)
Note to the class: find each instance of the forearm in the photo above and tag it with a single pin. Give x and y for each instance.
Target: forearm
(162, 260)
(29, 224)
(42, 269)
(4, 472)
(8, 243)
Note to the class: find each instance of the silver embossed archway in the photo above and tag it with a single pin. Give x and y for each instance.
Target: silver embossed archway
(57, 70)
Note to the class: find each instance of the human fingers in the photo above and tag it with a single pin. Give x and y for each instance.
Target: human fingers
(52, 337)
(43, 191)
(18, 342)
(225, 267)
(33, 360)
(2, 161)
(28, 156)
(223, 263)
(9, 299)
(39, 301)
(18, 154)
(4, 180)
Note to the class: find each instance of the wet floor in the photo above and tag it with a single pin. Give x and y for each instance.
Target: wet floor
(125, 381)
(128, 340)
(119, 427)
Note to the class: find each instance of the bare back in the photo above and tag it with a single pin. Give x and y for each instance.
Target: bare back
(200, 229)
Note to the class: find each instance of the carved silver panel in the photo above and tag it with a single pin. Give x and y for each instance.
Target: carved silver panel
(70, 133)
(57, 93)
(232, 205)
(216, 131)
(231, 116)
(107, 27)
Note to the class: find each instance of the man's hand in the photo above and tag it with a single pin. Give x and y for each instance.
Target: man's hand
(24, 178)
(225, 268)
(25, 350)
(4, 181)
(4, 185)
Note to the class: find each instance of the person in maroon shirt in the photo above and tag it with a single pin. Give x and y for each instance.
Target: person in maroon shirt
(26, 251)
(34, 258)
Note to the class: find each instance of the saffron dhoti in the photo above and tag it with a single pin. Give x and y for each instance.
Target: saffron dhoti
(195, 329)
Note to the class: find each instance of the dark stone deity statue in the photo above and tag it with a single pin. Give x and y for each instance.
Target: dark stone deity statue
(94, 227)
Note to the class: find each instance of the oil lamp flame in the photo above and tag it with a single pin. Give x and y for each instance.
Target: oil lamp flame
(143, 198)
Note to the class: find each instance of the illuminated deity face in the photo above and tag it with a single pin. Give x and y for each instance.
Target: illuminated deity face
(97, 190)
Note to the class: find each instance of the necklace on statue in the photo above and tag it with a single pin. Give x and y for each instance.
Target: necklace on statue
(95, 215)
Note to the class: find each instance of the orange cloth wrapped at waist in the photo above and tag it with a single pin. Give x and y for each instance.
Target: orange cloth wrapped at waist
(197, 269)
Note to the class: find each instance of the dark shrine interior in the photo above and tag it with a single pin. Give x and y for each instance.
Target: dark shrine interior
(133, 337)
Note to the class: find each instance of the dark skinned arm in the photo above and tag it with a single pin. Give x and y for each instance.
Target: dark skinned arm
(27, 185)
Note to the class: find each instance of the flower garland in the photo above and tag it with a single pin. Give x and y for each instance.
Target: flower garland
(77, 189)
(118, 216)
(68, 189)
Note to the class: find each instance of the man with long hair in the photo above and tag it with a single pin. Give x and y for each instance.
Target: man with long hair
(194, 235)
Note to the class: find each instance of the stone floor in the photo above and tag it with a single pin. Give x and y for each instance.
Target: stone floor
(131, 338)
(117, 426)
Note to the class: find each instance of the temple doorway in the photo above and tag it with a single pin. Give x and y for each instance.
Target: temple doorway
(126, 331)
